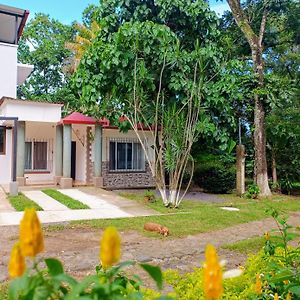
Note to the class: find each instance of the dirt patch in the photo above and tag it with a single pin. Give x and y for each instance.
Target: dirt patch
(78, 248)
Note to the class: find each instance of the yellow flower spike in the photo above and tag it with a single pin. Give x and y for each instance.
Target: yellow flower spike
(212, 272)
(258, 285)
(31, 235)
(267, 236)
(289, 296)
(16, 265)
(110, 244)
(276, 297)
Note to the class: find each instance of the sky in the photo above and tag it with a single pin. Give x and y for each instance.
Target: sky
(67, 11)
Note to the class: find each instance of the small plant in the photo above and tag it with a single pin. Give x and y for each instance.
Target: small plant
(149, 196)
(286, 185)
(252, 191)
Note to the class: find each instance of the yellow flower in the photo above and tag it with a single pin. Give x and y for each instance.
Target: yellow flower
(258, 285)
(213, 288)
(267, 236)
(289, 296)
(31, 235)
(16, 266)
(110, 251)
(276, 297)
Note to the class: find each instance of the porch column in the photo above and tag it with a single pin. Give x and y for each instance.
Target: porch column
(21, 153)
(66, 181)
(58, 153)
(98, 179)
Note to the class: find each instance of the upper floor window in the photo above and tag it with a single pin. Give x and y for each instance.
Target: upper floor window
(126, 156)
(2, 139)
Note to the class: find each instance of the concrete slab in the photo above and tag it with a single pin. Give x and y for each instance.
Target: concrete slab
(92, 201)
(44, 201)
(14, 218)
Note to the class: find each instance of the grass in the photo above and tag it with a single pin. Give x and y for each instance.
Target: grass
(195, 217)
(251, 245)
(21, 202)
(254, 244)
(3, 291)
(65, 200)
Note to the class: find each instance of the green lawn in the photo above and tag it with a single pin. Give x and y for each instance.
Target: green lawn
(21, 202)
(65, 200)
(3, 291)
(193, 217)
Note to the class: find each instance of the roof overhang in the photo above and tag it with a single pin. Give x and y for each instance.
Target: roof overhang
(23, 71)
(12, 22)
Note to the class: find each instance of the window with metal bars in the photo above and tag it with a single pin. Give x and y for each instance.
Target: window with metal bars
(125, 155)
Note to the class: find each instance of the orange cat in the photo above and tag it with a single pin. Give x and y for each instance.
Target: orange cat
(156, 227)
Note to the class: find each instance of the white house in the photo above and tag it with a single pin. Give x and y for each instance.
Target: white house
(38, 146)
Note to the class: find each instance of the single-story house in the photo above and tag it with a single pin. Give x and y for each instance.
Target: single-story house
(38, 146)
(76, 149)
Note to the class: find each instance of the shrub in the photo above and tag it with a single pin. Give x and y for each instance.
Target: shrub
(215, 177)
(252, 191)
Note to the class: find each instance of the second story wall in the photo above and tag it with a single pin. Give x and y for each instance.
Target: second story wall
(8, 70)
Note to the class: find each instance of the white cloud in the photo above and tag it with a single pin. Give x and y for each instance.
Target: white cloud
(220, 8)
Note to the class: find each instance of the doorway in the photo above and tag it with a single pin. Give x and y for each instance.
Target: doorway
(73, 160)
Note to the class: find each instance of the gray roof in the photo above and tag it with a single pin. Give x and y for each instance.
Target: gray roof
(12, 22)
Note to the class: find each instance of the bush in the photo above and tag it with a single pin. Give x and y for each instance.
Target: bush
(252, 191)
(215, 177)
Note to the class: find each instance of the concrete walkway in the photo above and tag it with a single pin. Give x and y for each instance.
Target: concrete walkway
(44, 201)
(111, 207)
(92, 201)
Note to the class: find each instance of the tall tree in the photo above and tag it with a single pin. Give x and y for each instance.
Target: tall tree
(255, 37)
(43, 45)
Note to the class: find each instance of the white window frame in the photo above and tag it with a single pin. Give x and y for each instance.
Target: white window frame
(32, 157)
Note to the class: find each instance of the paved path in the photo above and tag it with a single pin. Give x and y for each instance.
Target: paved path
(90, 200)
(44, 201)
(109, 206)
(5, 206)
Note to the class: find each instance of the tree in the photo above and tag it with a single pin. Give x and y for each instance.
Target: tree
(43, 45)
(158, 74)
(83, 39)
(255, 41)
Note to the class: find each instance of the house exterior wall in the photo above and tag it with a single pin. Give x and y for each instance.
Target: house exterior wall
(5, 160)
(32, 111)
(79, 136)
(42, 132)
(116, 179)
(8, 70)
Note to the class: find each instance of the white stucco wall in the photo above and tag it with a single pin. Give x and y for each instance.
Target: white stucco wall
(32, 111)
(5, 160)
(8, 70)
(115, 133)
(42, 132)
(79, 136)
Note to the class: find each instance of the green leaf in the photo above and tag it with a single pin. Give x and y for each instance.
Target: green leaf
(55, 267)
(295, 290)
(155, 273)
(41, 293)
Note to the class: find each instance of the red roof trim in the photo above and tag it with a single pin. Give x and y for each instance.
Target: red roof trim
(23, 22)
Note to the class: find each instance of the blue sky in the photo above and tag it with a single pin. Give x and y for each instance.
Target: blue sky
(67, 11)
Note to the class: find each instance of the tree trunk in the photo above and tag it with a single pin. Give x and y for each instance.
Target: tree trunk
(260, 165)
(274, 169)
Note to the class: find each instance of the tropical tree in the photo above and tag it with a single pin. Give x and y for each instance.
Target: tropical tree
(256, 19)
(43, 45)
(157, 73)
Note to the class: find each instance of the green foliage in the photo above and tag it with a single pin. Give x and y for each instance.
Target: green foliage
(65, 200)
(252, 191)
(43, 45)
(53, 283)
(214, 176)
(21, 202)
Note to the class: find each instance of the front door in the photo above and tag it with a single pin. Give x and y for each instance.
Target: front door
(73, 160)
